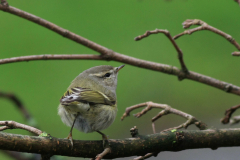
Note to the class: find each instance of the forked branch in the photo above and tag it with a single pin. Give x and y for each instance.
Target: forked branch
(166, 110)
(204, 26)
(167, 33)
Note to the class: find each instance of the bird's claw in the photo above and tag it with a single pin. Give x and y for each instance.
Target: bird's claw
(70, 138)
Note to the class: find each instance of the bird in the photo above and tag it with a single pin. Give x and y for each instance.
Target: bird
(90, 102)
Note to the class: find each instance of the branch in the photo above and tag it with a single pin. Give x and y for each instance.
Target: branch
(51, 57)
(166, 32)
(107, 54)
(14, 125)
(166, 110)
(164, 141)
(229, 113)
(205, 26)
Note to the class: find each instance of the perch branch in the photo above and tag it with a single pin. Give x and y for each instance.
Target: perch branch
(228, 114)
(107, 54)
(166, 110)
(167, 33)
(205, 26)
(15, 125)
(164, 141)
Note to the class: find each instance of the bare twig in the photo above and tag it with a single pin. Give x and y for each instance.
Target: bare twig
(101, 155)
(167, 33)
(51, 57)
(14, 125)
(205, 26)
(107, 54)
(166, 110)
(228, 114)
(144, 157)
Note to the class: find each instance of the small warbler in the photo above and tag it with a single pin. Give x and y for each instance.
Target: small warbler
(90, 102)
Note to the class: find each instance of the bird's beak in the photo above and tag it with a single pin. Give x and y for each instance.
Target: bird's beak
(120, 67)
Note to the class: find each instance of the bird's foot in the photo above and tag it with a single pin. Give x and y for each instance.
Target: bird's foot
(70, 138)
(105, 141)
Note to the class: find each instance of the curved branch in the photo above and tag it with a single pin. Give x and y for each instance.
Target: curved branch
(107, 54)
(165, 141)
(205, 26)
(228, 114)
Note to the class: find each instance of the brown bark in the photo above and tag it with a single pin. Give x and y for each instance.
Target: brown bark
(140, 145)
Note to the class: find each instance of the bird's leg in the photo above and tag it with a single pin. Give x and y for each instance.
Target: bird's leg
(70, 134)
(105, 140)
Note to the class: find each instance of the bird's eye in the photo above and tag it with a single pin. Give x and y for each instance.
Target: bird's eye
(107, 75)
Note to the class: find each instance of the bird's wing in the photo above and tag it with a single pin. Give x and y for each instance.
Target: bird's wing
(85, 95)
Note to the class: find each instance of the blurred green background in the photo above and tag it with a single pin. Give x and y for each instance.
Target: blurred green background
(114, 24)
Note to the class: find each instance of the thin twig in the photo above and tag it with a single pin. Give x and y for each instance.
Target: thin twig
(51, 57)
(144, 157)
(205, 26)
(14, 125)
(228, 114)
(167, 33)
(166, 110)
(101, 155)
